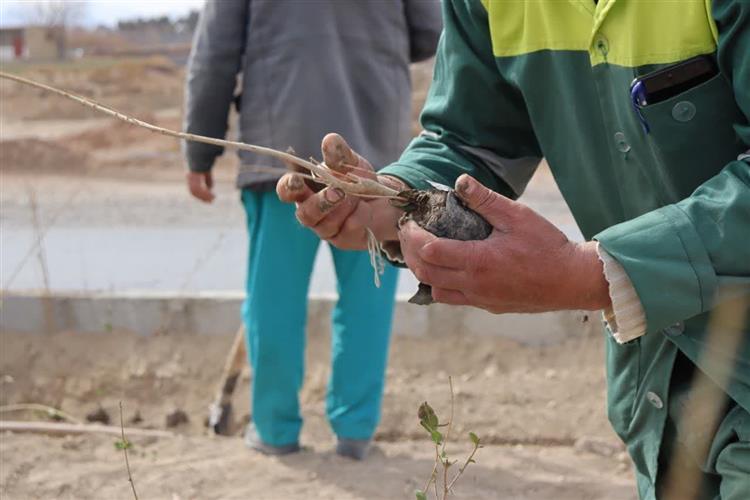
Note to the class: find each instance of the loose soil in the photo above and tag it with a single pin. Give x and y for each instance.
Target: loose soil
(540, 410)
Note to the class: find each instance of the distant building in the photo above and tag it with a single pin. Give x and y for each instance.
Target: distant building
(32, 43)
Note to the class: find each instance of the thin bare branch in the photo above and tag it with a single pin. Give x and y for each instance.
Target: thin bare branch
(125, 445)
(356, 186)
(444, 453)
(450, 421)
(437, 460)
(38, 237)
(463, 467)
(433, 477)
(54, 412)
(63, 429)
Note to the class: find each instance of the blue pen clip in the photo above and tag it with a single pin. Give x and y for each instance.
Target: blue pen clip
(639, 99)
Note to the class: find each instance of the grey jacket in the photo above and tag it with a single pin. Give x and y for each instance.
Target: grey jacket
(307, 67)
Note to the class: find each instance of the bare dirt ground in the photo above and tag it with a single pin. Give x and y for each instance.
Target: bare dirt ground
(540, 410)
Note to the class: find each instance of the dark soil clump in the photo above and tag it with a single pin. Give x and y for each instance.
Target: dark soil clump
(443, 214)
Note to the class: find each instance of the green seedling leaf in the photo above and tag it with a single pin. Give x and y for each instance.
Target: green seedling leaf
(123, 444)
(427, 416)
(421, 495)
(436, 436)
(474, 438)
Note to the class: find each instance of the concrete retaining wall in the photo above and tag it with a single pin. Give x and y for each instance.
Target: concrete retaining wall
(218, 314)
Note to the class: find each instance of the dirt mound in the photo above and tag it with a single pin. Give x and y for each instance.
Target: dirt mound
(505, 392)
(33, 155)
(116, 134)
(135, 85)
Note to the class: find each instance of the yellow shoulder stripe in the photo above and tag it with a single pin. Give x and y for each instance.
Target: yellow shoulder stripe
(634, 32)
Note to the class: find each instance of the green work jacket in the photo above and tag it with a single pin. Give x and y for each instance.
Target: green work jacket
(517, 81)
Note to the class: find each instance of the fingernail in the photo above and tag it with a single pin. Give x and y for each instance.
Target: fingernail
(334, 195)
(463, 185)
(295, 183)
(331, 197)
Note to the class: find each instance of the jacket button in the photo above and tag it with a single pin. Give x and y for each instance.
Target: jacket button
(683, 111)
(655, 400)
(676, 329)
(621, 142)
(601, 44)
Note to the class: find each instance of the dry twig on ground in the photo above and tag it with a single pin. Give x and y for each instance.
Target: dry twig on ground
(61, 429)
(49, 410)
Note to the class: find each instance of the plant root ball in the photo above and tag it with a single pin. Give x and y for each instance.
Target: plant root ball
(443, 214)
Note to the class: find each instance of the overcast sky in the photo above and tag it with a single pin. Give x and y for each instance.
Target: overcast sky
(107, 12)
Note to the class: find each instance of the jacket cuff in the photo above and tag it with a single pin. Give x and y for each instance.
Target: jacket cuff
(196, 164)
(665, 259)
(416, 176)
(625, 317)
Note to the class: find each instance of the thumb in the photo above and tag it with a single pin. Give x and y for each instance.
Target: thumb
(338, 156)
(493, 206)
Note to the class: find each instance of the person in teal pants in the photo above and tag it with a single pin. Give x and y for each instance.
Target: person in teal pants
(281, 256)
(306, 68)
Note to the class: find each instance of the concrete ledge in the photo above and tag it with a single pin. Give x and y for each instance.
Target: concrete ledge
(149, 313)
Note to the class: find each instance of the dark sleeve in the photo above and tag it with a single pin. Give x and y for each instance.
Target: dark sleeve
(215, 61)
(425, 23)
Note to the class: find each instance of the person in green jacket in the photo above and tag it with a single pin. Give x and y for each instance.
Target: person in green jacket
(658, 183)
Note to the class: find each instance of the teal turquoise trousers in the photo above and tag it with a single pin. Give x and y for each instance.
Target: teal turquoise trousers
(280, 264)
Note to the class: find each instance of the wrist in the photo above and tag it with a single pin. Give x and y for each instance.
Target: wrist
(588, 280)
(385, 215)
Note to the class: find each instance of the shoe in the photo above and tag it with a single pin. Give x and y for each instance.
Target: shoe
(356, 449)
(253, 441)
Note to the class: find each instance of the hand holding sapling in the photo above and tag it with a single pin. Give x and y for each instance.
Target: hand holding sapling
(525, 265)
(334, 216)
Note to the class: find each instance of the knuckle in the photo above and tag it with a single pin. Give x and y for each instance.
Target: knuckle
(351, 227)
(446, 296)
(327, 229)
(346, 235)
(476, 259)
(303, 216)
(422, 272)
(439, 295)
(350, 237)
(485, 198)
(430, 252)
(342, 243)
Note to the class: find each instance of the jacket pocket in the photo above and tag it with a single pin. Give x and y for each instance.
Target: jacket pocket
(692, 136)
(623, 375)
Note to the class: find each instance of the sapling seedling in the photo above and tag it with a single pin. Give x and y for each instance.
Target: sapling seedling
(439, 211)
(429, 420)
(124, 445)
